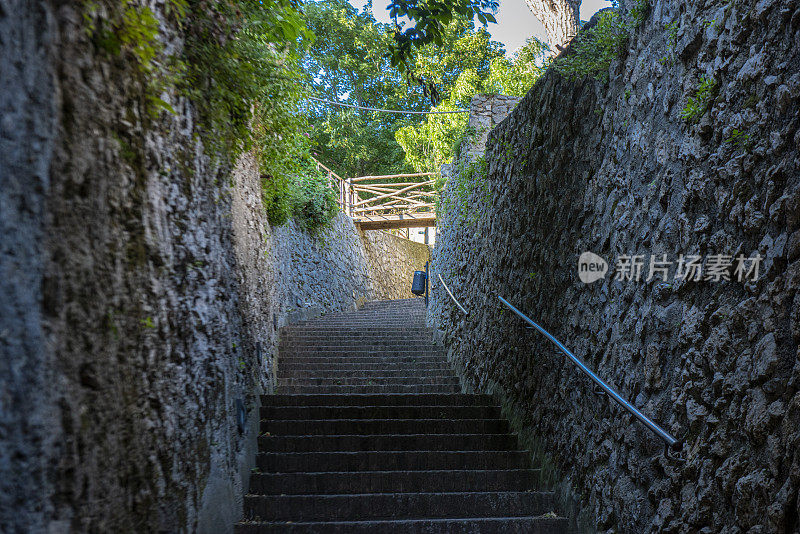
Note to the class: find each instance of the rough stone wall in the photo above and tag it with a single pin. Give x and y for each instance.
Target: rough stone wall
(614, 169)
(140, 297)
(485, 111)
(392, 261)
(339, 268)
(27, 138)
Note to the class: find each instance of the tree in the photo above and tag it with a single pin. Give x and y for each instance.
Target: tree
(430, 20)
(462, 48)
(560, 18)
(430, 144)
(240, 66)
(516, 75)
(348, 63)
(433, 142)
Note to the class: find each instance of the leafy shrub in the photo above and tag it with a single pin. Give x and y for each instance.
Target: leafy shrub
(313, 199)
(593, 50)
(305, 197)
(275, 197)
(698, 104)
(239, 66)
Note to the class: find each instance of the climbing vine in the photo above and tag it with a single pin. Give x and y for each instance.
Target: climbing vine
(468, 193)
(239, 65)
(593, 49)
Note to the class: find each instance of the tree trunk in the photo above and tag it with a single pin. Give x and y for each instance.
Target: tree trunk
(560, 19)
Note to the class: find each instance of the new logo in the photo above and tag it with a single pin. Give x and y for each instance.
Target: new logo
(591, 267)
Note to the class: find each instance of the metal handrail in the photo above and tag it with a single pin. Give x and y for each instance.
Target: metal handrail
(670, 441)
(460, 307)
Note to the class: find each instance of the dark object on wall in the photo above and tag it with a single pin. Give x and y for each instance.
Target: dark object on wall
(420, 283)
(241, 416)
(419, 286)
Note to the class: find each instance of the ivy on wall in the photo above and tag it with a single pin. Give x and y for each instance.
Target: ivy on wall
(239, 64)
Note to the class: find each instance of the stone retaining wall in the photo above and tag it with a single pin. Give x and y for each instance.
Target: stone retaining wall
(614, 169)
(141, 293)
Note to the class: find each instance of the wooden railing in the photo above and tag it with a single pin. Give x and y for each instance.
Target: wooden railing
(381, 202)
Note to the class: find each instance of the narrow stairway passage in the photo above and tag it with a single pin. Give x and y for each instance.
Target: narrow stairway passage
(368, 432)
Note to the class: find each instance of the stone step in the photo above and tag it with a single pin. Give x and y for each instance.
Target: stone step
(384, 506)
(358, 360)
(388, 442)
(399, 352)
(402, 399)
(415, 302)
(400, 337)
(363, 374)
(350, 331)
(367, 310)
(393, 481)
(389, 322)
(277, 413)
(298, 462)
(354, 369)
(369, 432)
(351, 341)
(359, 346)
(450, 379)
(478, 525)
(388, 389)
(393, 322)
(296, 427)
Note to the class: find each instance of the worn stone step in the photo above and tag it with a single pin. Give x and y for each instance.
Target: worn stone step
(363, 376)
(294, 462)
(480, 525)
(399, 311)
(369, 432)
(361, 389)
(359, 335)
(402, 399)
(394, 481)
(357, 360)
(369, 313)
(388, 322)
(296, 427)
(397, 505)
(366, 368)
(355, 331)
(388, 442)
(397, 324)
(370, 381)
(384, 319)
(347, 341)
(380, 412)
(359, 353)
(359, 346)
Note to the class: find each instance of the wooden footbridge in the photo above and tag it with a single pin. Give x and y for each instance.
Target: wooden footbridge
(386, 202)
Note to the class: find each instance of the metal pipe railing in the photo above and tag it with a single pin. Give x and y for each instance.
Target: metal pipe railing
(670, 441)
(460, 307)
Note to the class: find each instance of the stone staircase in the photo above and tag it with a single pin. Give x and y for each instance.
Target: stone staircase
(368, 433)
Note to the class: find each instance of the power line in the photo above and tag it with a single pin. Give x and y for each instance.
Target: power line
(385, 110)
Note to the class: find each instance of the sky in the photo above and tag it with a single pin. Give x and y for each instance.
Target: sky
(515, 22)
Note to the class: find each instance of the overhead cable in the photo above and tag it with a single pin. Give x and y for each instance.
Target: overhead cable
(385, 110)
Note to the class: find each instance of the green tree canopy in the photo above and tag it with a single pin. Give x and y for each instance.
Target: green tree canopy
(348, 62)
(429, 144)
